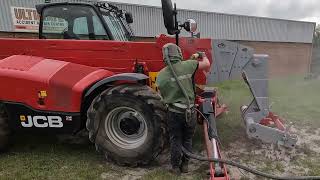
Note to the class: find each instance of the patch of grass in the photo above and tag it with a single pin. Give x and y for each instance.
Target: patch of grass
(165, 175)
(268, 167)
(160, 175)
(272, 166)
(34, 157)
(296, 100)
(280, 167)
(311, 163)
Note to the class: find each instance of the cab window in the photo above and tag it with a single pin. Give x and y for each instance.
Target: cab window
(99, 30)
(72, 22)
(115, 25)
(80, 27)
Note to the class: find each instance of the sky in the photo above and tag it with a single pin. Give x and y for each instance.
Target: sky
(302, 10)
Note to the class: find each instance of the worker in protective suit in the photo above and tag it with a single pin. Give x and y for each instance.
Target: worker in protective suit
(180, 100)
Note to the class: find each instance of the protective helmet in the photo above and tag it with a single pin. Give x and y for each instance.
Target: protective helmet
(171, 52)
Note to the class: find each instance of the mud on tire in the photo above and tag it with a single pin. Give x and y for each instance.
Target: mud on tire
(127, 123)
(4, 128)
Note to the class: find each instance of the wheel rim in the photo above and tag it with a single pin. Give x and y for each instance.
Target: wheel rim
(126, 127)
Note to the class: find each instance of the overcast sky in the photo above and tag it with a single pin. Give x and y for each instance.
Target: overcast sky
(303, 10)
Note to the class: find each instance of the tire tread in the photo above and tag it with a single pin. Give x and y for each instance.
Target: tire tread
(150, 97)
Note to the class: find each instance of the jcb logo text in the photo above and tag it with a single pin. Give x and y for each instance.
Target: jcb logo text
(41, 121)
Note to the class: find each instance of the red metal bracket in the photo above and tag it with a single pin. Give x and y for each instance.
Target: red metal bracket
(219, 108)
(273, 120)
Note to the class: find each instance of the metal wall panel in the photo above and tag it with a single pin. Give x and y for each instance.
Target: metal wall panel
(148, 22)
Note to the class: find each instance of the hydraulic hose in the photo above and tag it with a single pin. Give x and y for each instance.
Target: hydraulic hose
(246, 168)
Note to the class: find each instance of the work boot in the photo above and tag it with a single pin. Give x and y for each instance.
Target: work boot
(175, 171)
(184, 167)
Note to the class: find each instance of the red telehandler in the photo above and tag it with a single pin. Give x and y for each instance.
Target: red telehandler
(86, 71)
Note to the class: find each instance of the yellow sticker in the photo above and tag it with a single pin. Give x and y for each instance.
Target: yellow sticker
(152, 80)
(42, 94)
(22, 118)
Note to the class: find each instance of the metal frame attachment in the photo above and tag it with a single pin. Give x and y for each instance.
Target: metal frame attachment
(231, 61)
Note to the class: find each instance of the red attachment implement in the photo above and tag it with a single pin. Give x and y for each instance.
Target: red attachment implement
(273, 120)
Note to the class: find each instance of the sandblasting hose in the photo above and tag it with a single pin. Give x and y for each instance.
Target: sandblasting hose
(246, 168)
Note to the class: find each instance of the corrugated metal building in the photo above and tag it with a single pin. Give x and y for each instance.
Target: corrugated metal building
(224, 26)
(289, 43)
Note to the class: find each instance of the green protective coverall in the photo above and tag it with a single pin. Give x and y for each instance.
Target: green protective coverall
(180, 131)
(169, 89)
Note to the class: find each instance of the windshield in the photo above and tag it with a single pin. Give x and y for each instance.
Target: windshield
(72, 22)
(116, 27)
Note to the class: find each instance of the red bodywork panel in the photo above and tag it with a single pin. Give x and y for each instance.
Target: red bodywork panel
(64, 81)
(23, 77)
(115, 56)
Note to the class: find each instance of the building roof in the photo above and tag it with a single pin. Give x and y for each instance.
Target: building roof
(148, 22)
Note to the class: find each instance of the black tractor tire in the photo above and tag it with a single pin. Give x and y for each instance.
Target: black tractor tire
(4, 128)
(128, 124)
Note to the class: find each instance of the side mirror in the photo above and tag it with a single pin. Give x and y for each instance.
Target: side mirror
(168, 16)
(129, 17)
(190, 25)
